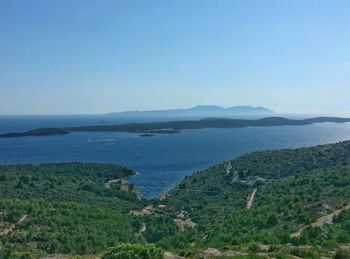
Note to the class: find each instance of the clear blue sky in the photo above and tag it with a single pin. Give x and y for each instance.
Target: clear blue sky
(102, 56)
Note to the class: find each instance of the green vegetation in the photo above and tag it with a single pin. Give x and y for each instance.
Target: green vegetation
(67, 208)
(279, 203)
(173, 127)
(134, 251)
(293, 187)
(37, 132)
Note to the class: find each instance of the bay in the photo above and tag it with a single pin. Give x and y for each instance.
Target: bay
(161, 161)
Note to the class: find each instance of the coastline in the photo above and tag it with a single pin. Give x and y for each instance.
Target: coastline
(175, 127)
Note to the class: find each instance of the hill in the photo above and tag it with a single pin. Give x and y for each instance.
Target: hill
(69, 208)
(279, 204)
(265, 198)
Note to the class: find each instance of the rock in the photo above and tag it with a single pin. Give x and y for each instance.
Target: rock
(56, 256)
(264, 247)
(233, 253)
(182, 214)
(145, 211)
(211, 252)
(183, 224)
(170, 255)
(266, 255)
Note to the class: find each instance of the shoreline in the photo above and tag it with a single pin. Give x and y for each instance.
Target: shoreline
(175, 127)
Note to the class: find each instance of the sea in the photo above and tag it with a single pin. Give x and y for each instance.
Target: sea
(160, 161)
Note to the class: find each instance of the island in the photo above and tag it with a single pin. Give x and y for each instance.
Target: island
(37, 132)
(172, 127)
(145, 135)
(200, 110)
(152, 133)
(163, 131)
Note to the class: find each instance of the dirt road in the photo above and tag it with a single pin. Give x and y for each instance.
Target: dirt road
(11, 228)
(324, 220)
(251, 199)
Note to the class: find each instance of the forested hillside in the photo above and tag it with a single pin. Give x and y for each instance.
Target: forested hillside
(65, 208)
(268, 198)
(278, 204)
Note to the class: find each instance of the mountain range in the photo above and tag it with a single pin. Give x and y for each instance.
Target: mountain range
(201, 110)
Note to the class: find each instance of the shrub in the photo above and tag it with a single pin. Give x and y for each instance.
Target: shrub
(254, 248)
(134, 251)
(342, 254)
(302, 252)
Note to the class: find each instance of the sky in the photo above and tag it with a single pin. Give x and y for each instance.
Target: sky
(81, 57)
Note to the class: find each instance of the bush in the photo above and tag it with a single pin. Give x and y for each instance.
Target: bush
(303, 252)
(254, 248)
(134, 251)
(272, 220)
(4, 254)
(342, 254)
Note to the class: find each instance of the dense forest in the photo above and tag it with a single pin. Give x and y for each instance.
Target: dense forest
(292, 190)
(66, 208)
(279, 204)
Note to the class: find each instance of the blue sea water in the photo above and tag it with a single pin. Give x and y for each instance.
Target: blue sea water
(160, 161)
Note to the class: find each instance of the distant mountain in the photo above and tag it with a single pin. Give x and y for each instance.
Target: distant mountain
(201, 110)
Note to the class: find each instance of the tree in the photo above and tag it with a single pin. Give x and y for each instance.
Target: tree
(134, 251)
(272, 220)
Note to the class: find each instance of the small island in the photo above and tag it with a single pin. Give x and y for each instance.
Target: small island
(152, 133)
(146, 135)
(164, 131)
